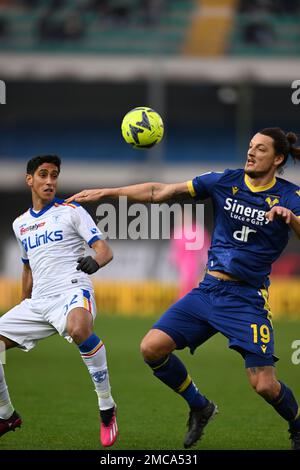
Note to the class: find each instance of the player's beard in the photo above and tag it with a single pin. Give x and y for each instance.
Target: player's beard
(256, 174)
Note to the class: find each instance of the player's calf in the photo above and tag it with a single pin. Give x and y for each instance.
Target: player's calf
(93, 354)
(280, 397)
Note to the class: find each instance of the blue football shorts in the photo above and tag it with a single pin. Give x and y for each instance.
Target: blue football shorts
(237, 310)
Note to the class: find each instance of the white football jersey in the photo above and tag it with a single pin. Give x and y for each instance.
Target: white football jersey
(51, 241)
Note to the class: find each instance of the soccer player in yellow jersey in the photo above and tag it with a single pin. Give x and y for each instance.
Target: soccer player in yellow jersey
(255, 212)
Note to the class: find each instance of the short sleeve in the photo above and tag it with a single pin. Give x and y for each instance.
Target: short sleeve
(85, 226)
(293, 202)
(23, 247)
(201, 187)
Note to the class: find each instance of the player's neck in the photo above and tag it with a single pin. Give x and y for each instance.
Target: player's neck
(261, 181)
(39, 204)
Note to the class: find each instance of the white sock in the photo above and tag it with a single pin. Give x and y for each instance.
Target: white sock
(95, 360)
(6, 408)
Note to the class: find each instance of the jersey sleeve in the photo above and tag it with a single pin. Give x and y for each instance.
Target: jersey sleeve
(22, 247)
(85, 226)
(293, 202)
(201, 187)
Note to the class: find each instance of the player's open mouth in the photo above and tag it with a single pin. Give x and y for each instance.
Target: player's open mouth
(48, 190)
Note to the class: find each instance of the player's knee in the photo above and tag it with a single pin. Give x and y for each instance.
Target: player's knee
(266, 389)
(150, 350)
(79, 334)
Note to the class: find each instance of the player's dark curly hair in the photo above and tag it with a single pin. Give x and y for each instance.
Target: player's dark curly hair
(36, 162)
(284, 143)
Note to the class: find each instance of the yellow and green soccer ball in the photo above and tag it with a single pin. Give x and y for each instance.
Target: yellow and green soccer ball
(142, 128)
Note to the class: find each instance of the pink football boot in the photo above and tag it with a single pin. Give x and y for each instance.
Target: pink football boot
(109, 432)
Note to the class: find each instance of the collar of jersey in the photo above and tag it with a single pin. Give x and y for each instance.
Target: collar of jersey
(45, 209)
(256, 189)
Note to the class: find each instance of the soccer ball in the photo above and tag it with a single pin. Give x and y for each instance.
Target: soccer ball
(142, 128)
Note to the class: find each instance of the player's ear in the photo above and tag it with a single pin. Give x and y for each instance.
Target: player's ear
(29, 180)
(278, 159)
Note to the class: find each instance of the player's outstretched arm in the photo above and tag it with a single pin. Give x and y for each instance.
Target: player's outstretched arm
(287, 215)
(26, 282)
(91, 264)
(144, 192)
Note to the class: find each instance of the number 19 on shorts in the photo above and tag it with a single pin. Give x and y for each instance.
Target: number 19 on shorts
(263, 331)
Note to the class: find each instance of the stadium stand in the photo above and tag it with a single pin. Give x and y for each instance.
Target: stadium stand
(266, 28)
(100, 26)
(134, 27)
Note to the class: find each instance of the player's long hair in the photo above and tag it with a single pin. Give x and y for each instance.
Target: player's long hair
(284, 144)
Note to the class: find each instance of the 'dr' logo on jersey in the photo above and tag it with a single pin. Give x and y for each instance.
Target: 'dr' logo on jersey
(272, 201)
(243, 235)
(234, 190)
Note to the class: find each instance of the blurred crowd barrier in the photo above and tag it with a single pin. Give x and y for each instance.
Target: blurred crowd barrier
(146, 298)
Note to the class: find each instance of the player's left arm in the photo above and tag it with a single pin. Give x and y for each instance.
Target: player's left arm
(91, 264)
(27, 282)
(287, 215)
(104, 253)
(87, 229)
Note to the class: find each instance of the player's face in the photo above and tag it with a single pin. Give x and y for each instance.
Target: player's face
(261, 158)
(44, 182)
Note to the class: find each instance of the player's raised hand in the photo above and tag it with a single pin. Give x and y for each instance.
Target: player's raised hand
(87, 195)
(281, 212)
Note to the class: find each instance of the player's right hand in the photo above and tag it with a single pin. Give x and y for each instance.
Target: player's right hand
(87, 195)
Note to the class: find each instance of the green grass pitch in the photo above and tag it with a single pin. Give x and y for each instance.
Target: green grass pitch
(51, 389)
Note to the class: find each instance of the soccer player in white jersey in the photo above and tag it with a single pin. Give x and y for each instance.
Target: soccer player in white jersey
(57, 293)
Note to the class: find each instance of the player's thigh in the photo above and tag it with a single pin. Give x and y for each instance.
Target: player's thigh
(73, 312)
(243, 318)
(79, 321)
(185, 322)
(8, 343)
(24, 325)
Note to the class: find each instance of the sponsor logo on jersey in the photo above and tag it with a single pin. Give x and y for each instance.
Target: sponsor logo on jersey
(31, 228)
(298, 192)
(245, 213)
(94, 230)
(242, 235)
(234, 190)
(32, 242)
